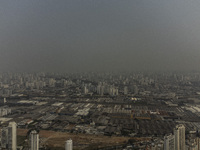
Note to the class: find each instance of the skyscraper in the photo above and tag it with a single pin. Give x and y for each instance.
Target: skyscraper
(12, 136)
(179, 133)
(34, 139)
(68, 145)
(169, 142)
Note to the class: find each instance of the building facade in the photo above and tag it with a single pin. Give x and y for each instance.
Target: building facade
(169, 142)
(69, 145)
(179, 133)
(34, 140)
(9, 136)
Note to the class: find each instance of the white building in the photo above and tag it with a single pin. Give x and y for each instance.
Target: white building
(179, 133)
(12, 136)
(69, 145)
(34, 139)
(169, 142)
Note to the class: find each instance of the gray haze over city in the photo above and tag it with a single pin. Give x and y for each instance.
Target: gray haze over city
(99, 35)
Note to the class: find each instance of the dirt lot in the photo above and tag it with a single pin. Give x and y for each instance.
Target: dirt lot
(80, 141)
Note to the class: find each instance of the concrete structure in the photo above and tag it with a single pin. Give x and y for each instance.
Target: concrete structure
(169, 142)
(179, 133)
(69, 145)
(9, 136)
(34, 139)
(12, 136)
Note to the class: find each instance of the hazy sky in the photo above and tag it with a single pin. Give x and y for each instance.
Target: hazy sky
(99, 35)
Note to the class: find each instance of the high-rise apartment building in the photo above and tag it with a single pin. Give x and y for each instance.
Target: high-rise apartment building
(69, 145)
(9, 136)
(34, 140)
(12, 136)
(179, 133)
(169, 142)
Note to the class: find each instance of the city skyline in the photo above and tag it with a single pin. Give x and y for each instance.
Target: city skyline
(138, 110)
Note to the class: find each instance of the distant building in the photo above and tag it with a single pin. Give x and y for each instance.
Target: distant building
(169, 142)
(125, 90)
(135, 89)
(100, 89)
(85, 90)
(4, 100)
(4, 111)
(69, 145)
(179, 133)
(34, 140)
(113, 91)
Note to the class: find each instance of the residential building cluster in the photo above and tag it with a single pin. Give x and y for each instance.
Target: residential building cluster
(133, 105)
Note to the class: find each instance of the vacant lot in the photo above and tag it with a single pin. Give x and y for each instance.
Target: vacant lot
(80, 141)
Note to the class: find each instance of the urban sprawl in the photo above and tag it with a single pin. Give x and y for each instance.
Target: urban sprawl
(102, 111)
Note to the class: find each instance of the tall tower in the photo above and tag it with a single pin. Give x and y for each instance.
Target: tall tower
(69, 145)
(179, 133)
(34, 137)
(169, 142)
(12, 136)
